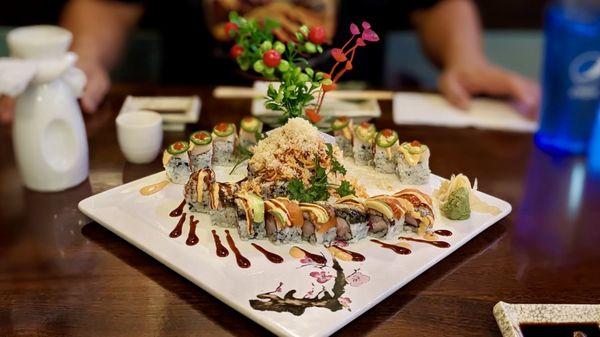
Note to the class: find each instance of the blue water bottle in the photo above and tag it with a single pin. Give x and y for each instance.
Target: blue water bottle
(571, 76)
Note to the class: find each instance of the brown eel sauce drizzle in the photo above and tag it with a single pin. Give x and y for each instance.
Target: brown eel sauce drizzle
(220, 249)
(177, 211)
(274, 258)
(443, 232)
(239, 258)
(176, 232)
(439, 244)
(192, 238)
(355, 256)
(397, 249)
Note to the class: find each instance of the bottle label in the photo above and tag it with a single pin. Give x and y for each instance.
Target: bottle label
(584, 72)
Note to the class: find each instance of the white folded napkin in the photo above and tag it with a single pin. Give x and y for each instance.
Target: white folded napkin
(433, 109)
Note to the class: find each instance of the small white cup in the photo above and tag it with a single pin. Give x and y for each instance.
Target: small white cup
(140, 135)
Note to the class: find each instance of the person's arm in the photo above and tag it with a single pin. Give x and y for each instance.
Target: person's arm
(100, 29)
(450, 33)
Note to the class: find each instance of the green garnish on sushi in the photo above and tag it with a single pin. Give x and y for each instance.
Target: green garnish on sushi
(386, 138)
(201, 138)
(224, 129)
(178, 147)
(457, 206)
(365, 131)
(251, 124)
(257, 205)
(340, 123)
(414, 147)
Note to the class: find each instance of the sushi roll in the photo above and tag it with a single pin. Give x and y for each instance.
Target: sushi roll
(412, 165)
(319, 223)
(222, 204)
(250, 216)
(250, 129)
(201, 150)
(224, 142)
(176, 162)
(284, 220)
(386, 151)
(342, 130)
(352, 219)
(386, 216)
(420, 218)
(362, 143)
(197, 191)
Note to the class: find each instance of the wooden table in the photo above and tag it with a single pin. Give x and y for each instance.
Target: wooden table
(63, 275)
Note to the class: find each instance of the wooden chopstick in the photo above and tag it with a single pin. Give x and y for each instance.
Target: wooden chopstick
(226, 92)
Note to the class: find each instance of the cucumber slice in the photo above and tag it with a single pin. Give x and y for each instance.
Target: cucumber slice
(340, 123)
(201, 138)
(224, 129)
(178, 147)
(386, 138)
(251, 124)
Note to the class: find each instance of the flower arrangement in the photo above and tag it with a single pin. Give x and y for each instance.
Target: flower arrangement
(301, 89)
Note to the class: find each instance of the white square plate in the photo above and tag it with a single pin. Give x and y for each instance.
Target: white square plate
(326, 297)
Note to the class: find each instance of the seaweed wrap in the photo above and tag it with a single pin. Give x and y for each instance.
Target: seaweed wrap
(284, 220)
(386, 216)
(197, 191)
(362, 143)
(342, 131)
(319, 223)
(421, 217)
(386, 151)
(412, 165)
(201, 150)
(351, 219)
(222, 204)
(251, 216)
(250, 129)
(176, 162)
(224, 143)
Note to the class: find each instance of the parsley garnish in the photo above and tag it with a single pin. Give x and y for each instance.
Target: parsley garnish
(345, 189)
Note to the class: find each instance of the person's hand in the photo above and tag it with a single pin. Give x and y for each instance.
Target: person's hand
(97, 85)
(290, 18)
(459, 83)
(7, 109)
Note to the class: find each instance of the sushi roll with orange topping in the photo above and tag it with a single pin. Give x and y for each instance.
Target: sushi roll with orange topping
(224, 142)
(412, 165)
(319, 223)
(386, 151)
(201, 150)
(342, 131)
(222, 204)
(176, 162)
(284, 220)
(420, 218)
(362, 143)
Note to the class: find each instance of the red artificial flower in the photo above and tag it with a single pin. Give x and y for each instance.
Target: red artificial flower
(360, 42)
(312, 115)
(354, 29)
(366, 25)
(338, 55)
(348, 65)
(370, 35)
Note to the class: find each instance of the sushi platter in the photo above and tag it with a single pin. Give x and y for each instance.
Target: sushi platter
(298, 230)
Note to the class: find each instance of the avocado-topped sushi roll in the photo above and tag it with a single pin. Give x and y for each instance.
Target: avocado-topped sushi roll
(386, 216)
(364, 136)
(352, 218)
(224, 142)
(197, 191)
(251, 216)
(386, 151)
(284, 220)
(176, 162)
(250, 128)
(342, 130)
(319, 223)
(412, 165)
(201, 150)
(222, 204)
(421, 217)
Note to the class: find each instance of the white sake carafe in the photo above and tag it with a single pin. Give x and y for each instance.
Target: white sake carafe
(49, 137)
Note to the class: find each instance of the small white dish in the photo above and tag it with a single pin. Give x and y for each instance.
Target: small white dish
(511, 316)
(176, 111)
(140, 135)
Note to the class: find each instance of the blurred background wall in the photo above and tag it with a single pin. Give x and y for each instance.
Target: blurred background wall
(513, 39)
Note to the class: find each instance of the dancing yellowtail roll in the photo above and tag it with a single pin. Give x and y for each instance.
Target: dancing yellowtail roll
(284, 220)
(352, 218)
(421, 218)
(319, 223)
(386, 216)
